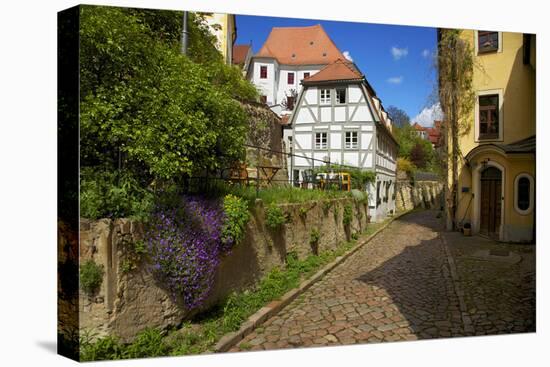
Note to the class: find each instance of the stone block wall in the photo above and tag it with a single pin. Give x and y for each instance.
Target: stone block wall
(129, 298)
(423, 194)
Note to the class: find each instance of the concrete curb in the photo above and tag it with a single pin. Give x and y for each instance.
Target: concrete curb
(264, 313)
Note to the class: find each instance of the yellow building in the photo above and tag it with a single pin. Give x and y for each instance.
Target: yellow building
(495, 192)
(224, 27)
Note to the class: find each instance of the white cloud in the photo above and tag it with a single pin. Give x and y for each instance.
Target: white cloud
(395, 80)
(347, 55)
(426, 53)
(427, 116)
(398, 53)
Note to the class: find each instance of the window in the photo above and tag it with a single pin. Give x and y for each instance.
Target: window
(523, 193)
(263, 72)
(488, 117)
(325, 96)
(290, 102)
(487, 41)
(320, 140)
(290, 78)
(340, 95)
(378, 200)
(263, 99)
(306, 75)
(351, 140)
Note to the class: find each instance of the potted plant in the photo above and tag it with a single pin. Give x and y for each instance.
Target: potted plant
(467, 229)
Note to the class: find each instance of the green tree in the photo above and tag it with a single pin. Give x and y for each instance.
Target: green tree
(165, 113)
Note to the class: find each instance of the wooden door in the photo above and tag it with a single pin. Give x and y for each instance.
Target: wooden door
(491, 202)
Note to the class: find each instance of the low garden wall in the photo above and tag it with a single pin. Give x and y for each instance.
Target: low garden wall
(421, 194)
(130, 299)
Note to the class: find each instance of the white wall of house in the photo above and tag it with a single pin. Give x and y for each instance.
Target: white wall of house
(370, 149)
(266, 86)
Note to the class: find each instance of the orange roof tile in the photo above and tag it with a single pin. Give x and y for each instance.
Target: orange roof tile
(239, 53)
(338, 70)
(300, 46)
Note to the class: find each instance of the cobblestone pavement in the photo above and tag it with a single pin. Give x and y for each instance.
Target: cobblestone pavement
(399, 287)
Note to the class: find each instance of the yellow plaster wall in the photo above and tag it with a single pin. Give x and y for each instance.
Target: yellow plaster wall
(501, 70)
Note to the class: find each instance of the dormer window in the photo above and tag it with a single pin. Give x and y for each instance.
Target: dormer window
(263, 72)
(324, 54)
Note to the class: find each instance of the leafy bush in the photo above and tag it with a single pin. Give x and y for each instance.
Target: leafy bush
(404, 164)
(106, 348)
(274, 216)
(302, 212)
(236, 217)
(106, 194)
(91, 276)
(314, 236)
(148, 343)
(348, 214)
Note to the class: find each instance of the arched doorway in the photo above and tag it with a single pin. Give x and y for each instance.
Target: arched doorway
(490, 202)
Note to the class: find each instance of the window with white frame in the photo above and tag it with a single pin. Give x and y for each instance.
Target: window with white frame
(321, 140)
(524, 193)
(325, 96)
(340, 95)
(351, 140)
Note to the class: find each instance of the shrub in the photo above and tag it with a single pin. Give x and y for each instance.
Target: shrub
(91, 276)
(348, 214)
(148, 343)
(113, 195)
(274, 216)
(107, 348)
(326, 206)
(302, 212)
(236, 217)
(314, 236)
(404, 164)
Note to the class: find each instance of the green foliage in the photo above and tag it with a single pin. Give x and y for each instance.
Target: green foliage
(314, 236)
(112, 194)
(348, 215)
(359, 196)
(405, 165)
(326, 206)
(106, 348)
(274, 216)
(161, 113)
(414, 148)
(148, 343)
(236, 217)
(302, 212)
(335, 214)
(91, 276)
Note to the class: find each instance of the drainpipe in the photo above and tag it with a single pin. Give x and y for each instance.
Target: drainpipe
(184, 35)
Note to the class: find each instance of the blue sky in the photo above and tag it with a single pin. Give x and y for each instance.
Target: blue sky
(396, 60)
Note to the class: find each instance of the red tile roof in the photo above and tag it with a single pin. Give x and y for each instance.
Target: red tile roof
(418, 127)
(239, 54)
(338, 70)
(300, 46)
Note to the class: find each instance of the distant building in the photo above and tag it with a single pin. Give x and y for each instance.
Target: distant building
(242, 54)
(432, 134)
(289, 55)
(495, 191)
(339, 119)
(224, 28)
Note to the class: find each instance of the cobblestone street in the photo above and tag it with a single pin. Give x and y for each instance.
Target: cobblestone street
(403, 286)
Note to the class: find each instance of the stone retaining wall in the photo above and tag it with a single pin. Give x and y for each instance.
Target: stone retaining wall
(423, 194)
(130, 300)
